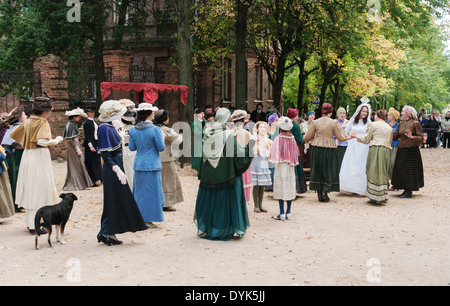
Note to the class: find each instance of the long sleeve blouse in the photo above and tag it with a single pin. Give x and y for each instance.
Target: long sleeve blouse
(379, 133)
(321, 131)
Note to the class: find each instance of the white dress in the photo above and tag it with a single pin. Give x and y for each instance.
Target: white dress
(352, 176)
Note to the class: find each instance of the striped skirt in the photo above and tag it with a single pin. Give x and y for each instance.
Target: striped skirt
(377, 171)
(408, 169)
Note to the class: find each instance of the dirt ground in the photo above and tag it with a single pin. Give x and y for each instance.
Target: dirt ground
(344, 242)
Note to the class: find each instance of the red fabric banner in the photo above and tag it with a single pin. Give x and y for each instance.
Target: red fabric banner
(150, 90)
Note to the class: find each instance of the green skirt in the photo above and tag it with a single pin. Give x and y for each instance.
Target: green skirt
(324, 174)
(13, 171)
(377, 171)
(221, 213)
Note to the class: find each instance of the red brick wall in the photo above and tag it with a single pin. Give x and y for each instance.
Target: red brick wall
(54, 85)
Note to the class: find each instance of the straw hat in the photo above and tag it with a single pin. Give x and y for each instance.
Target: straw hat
(111, 110)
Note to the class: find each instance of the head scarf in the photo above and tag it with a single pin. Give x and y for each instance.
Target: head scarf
(310, 113)
(340, 109)
(216, 136)
(272, 118)
(292, 113)
(394, 113)
(410, 111)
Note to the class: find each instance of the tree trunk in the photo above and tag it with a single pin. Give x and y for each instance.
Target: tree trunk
(120, 28)
(241, 52)
(183, 10)
(98, 47)
(278, 83)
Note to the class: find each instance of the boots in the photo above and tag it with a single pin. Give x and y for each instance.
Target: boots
(323, 196)
(406, 194)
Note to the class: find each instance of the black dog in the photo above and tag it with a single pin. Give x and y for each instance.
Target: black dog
(57, 215)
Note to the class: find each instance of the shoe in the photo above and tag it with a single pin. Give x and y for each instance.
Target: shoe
(406, 194)
(112, 240)
(320, 196)
(281, 217)
(325, 196)
(256, 210)
(169, 209)
(101, 238)
(151, 225)
(263, 210)
(288, 216)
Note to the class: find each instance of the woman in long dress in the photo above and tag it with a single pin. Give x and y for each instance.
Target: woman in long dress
(408, 168)
(300, 177)
(304, 149)
(393, 116)
(243, 137)
(35, 183)
(77, 177)
(14, 150)
(220, 209)
(92, 158)
(352, 175)
(379, 137)
(324, 171)
(6, 201)
(120, 211)
(148, 141)
(171, 183)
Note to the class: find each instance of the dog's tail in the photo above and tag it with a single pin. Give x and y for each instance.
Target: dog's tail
(37, 223)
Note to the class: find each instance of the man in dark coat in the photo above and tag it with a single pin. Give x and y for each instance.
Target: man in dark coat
(258, 114)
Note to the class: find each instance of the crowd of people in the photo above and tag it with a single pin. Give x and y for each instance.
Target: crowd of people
(238, 156)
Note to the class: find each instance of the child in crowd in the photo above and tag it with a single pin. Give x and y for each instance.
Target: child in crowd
(260, 167)
(284, 155)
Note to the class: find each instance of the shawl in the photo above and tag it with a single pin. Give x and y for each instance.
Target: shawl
(28, 133)
(108, 137)
(284, 150)
(216, 136)
(71, 130)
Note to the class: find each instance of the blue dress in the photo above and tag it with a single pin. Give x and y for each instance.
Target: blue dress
(120, 212)
(147, 140)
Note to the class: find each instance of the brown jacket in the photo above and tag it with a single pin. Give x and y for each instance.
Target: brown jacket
(321, 131)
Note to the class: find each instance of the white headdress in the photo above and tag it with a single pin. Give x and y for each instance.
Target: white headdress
(365, 102)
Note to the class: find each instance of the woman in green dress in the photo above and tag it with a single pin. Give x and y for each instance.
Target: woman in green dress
(220, 210)
(379, 137)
